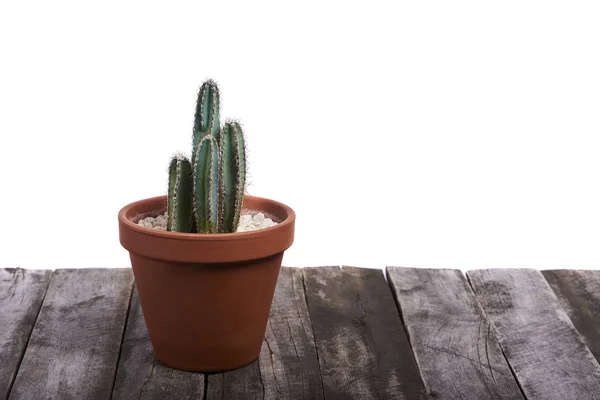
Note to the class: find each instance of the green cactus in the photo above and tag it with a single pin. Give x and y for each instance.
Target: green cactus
(206, 120)
(206, 195)
(233, 175)
(206, 166)
(179, 200)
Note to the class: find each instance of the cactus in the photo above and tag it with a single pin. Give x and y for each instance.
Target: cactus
(206, 195)
(233, 175)
(179, 200)
(206, 167)
(206, 120)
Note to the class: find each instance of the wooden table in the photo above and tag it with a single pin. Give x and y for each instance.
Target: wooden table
(333, 333)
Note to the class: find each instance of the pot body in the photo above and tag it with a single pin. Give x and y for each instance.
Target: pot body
(206, 297)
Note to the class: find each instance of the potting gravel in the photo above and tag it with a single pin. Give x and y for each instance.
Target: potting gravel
(247, 223)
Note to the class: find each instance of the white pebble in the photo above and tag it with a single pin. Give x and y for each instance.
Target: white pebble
(258, 218)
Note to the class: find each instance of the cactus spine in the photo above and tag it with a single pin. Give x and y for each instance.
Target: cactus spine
(233, 175)
(179, 199)
(206, 195)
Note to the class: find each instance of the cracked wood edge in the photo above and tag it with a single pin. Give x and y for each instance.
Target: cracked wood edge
(21, 295)
(75, 343)
(140, 375)
(287, 367)
(578, 292)
(362, 348)
(457, 352)
(545, 351)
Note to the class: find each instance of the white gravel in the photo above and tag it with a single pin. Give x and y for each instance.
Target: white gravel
(159, 222)
(247, 223)
(252, 223)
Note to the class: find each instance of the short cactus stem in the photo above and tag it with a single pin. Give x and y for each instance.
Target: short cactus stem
(179, 199)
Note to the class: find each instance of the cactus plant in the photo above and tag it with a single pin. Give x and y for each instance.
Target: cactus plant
(179, 199)
(210, 200)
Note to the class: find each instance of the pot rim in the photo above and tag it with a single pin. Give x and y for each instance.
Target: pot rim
(291, 217)
(206, 248)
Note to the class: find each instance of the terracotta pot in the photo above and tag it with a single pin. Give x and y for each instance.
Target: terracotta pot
(206, 297)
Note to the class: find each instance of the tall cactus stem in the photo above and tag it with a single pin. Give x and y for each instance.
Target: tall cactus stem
(206, 167)
(179, 199)
(206, 119)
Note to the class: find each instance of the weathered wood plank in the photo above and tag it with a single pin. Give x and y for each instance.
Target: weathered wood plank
(362, 347)
(242, 383)
(287, 367)
(543, 348)
(21, 295)
(140, 375)
(579, 294)
(74, 346)
(456, 351)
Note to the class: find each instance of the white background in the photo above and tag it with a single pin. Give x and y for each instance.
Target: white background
(439, 134)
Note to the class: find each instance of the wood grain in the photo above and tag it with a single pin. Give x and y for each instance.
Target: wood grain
(140, 375)
(457, 352)
(543, 348)
(21, 295)
(287, 367)
(362, 347)
(578, 292)
(74, 346)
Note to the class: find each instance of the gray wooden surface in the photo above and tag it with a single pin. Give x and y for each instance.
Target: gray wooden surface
(21, 295)
(287, 367)
(140, 375)
(579, 294)
(242, 383)
(333, 333)
(74, 346)
(363, 349)
(545, 351)
(457, 352)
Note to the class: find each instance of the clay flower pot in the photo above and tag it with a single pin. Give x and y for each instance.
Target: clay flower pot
(206, 297)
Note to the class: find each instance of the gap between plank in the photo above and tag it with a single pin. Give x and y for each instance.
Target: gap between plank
(205, 394)
(514, 375)
(407, 333)
(122, 338)
(312, 329)
(14, 378)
